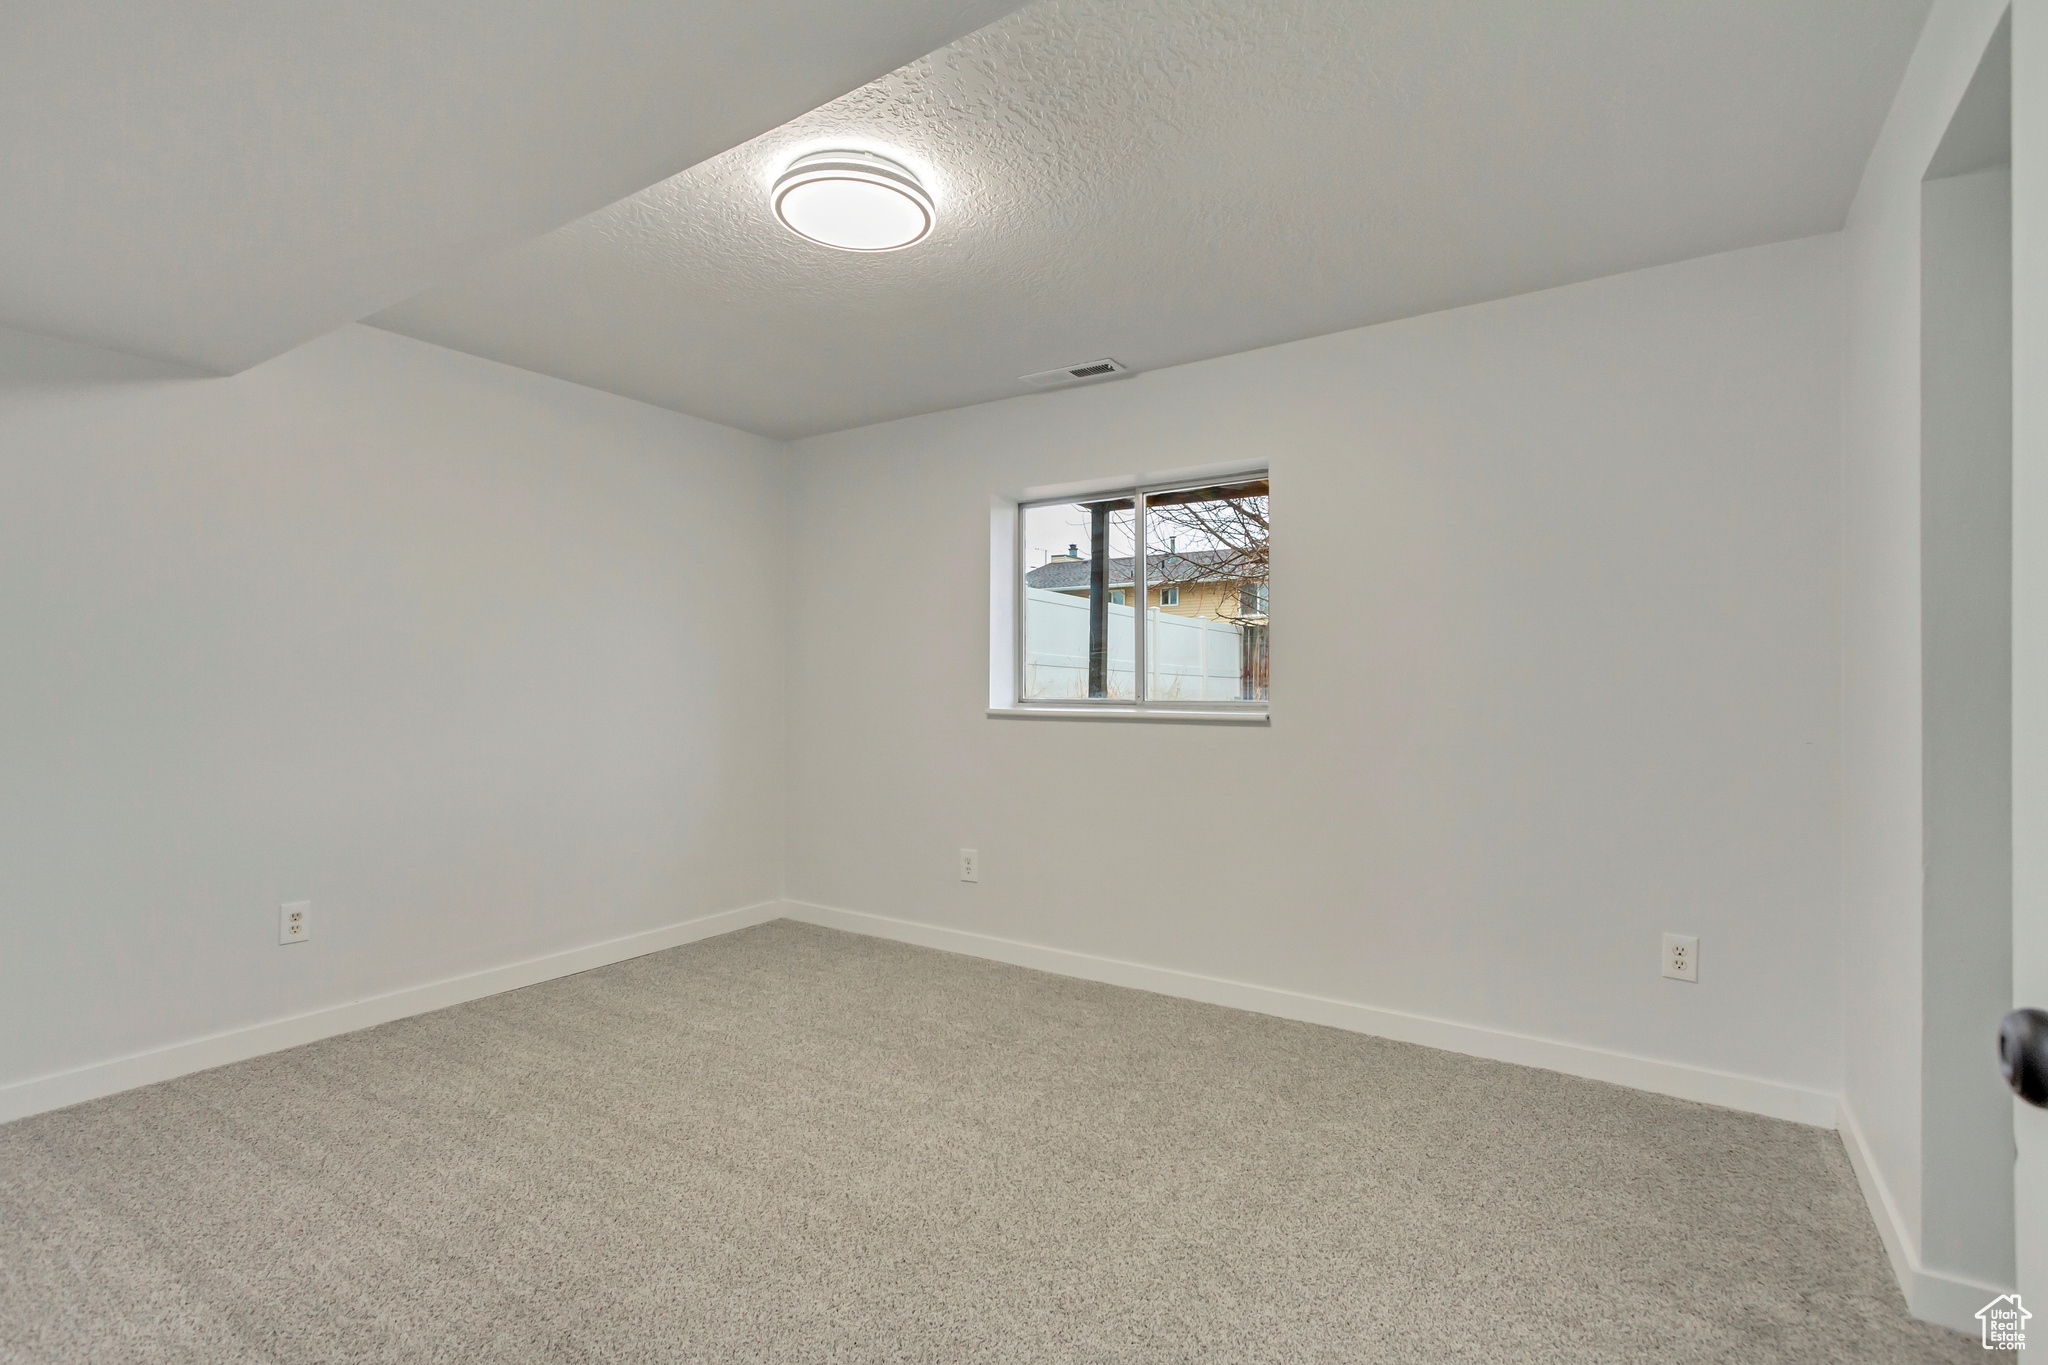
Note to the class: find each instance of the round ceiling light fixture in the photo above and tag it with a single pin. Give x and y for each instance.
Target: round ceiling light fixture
(855, 201)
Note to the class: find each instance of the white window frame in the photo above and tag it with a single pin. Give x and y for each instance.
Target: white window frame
(1140, 707)
(1170, 597)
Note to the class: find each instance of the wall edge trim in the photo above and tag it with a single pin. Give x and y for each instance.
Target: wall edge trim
(1932, 1296)
(1773, 1099)
(58, 1090)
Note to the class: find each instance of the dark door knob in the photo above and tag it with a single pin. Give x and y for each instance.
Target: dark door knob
(2023, 1055)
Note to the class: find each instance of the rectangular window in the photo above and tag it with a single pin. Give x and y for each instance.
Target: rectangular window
(1080, 639)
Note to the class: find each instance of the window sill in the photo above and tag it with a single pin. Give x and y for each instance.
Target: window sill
(1171, 717)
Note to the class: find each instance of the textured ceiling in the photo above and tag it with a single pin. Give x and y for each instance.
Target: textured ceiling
(1165, 180)
(214, 182)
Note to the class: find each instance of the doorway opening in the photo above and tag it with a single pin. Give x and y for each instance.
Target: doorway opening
(1966, 678)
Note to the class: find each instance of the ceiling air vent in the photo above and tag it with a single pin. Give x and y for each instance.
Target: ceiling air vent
(1074, 374)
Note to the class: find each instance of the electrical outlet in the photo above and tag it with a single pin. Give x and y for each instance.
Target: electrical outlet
(294, 921)
(970, 865)
(1681, 957)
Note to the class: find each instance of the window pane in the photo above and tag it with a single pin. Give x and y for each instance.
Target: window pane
(1079, 642)
(1206, 594)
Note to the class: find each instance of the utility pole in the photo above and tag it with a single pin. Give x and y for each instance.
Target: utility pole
(1098, 599)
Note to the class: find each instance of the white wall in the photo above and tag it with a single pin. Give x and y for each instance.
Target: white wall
(2030, 607)
(486, 665)
(1966, 680)
(1882, 701)
(1555, 670)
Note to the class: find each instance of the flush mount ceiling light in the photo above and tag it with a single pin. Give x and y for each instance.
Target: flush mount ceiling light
(855, 201)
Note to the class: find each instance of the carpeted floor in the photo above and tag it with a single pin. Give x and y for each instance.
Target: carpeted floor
(795, 1145)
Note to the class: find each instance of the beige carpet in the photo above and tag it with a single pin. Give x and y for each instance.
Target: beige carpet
(794, 1145)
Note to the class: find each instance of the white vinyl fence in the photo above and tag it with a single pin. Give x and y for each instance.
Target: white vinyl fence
(1190, 659)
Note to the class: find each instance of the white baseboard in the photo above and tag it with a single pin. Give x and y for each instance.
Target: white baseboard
(1771, 1098)
(1931, 1295)
(41, 1093)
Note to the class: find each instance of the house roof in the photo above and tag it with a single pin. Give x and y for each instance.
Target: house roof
(1193, 567)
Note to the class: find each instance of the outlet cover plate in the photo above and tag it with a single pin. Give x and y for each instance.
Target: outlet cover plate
(294, 921)
(1682, 957)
